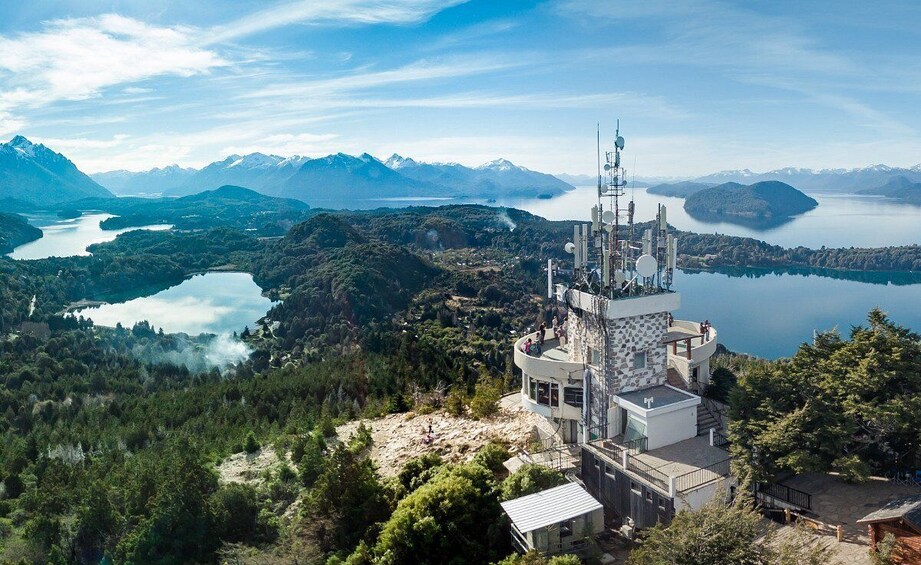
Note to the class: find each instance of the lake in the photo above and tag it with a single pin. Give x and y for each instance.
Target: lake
(840, 220)
(216, 303)
(67, 238)
(770, 315)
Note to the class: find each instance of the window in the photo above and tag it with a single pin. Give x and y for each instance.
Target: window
(594, 357)
(609, 472)
(636, 428)
(532, 389)
(648, 497)
(573, 396)
(566, 529)
(639, 360)
(546, 394)
(635, 488)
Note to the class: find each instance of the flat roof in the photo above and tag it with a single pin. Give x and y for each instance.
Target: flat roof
(549, 507)
(661, 396)
(677, 334)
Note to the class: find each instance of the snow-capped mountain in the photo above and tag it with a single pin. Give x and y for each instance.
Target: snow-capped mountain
(838, 180)
(496, 179)
(154, 181)
(32, 173)
(339, 179)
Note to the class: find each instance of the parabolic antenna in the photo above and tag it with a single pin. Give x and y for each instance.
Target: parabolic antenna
(570, 248)
(646, 266)
(619, 142)
(619, 276)
(608, 216)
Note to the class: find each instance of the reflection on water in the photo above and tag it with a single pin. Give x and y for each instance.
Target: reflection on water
(840, 220)
(69, 237)
(767, 314)
(216, 303)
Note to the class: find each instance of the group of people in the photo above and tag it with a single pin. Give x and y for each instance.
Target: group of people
(536, 345)
(705, 329)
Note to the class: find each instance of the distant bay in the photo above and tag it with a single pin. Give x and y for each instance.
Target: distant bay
(69, 237)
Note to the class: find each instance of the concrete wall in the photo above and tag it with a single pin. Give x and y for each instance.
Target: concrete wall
(697, 498)
(672, 427)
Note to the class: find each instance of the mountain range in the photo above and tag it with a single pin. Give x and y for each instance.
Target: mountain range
(828, 180)
(32, 174)
(900, 188)
(340, 179)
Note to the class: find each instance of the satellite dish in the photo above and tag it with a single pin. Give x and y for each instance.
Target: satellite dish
(608, 216)
(646, 266)
(607, 167)
(570, 248)
(619, 142)
(619, 276)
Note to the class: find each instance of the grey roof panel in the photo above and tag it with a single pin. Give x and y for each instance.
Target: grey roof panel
(661, 396)
(908, 508)
(549, 507)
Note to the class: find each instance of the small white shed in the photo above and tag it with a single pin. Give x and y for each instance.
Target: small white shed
(556, 520)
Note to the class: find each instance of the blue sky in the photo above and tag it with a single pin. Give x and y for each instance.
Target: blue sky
(699, 85)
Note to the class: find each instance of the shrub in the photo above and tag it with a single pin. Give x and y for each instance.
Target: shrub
(492, 456)
(486, 395)
(456, 402)
(530, 478)
(250, 445)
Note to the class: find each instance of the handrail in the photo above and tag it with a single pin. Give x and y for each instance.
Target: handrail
(720, 439)
(786, 494)
(702, 476)
(649, 473)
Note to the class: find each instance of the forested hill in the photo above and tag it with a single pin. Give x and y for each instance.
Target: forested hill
(899, 188)
(679, 189)
(227, 206)
(762, 200)
(15, 231)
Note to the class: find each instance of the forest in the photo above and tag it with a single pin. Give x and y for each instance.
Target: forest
(108, 456)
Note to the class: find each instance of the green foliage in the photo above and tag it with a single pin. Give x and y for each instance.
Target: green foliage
(535, 557)
(452, 518)
(722, 381)
(486, 396)
(719, 534)
(530, 478)
(418, 471)
(852, 406)
(492, 456)
(456, 402)
(251, 444)
(884, 553)
(312, 461)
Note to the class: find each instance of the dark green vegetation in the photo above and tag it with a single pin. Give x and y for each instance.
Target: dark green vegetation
(227, 206)
(15, 231)
(848, 405)
(105, 453)
(721, 534)
(767, 201)
(899, 188)
(678, 189)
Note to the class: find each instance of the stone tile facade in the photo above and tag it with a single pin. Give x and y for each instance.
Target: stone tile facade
(613, 344)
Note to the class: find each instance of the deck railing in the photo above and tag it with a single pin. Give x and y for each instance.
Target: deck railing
(720, 440)
(700, 477)
(649, 473)
(786, 494)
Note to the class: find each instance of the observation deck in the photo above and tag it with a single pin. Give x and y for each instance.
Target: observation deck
(551, 384)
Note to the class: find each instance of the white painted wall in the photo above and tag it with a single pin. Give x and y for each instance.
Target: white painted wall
(697, 498)
(671, 427)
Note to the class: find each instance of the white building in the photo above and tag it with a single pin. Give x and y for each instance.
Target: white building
(621, 379)
(557, 520)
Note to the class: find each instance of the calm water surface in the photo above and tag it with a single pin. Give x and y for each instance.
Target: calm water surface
(216, 303)
(67, 238)
(840, 220)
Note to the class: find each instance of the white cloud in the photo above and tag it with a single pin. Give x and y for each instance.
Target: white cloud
(76, 59)
(355, 12)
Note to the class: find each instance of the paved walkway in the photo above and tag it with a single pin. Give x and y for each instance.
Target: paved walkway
(836, 502)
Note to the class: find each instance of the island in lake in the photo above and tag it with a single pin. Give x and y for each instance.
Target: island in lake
(763, 204)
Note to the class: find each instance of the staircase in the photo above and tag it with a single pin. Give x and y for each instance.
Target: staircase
(673, 377)
(705, 420)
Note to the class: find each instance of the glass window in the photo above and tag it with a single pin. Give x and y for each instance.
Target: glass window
(532, 390)
(572, 395)
(639, 360)
(636, 428)
(554, 394)
(594, 356)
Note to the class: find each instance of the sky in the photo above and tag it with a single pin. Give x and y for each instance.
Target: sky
(698, 85)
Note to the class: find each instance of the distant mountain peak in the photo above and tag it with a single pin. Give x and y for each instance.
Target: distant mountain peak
(500, 164)
(396, 161)
(256, 160)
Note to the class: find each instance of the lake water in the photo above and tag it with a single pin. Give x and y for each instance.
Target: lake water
(67, 238)
(770, 315)
(840, 220)
(216, 303)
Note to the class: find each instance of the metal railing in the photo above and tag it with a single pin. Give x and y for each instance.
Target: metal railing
(648, 473)
(700, 477)
(786, 494)
(720, 440)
